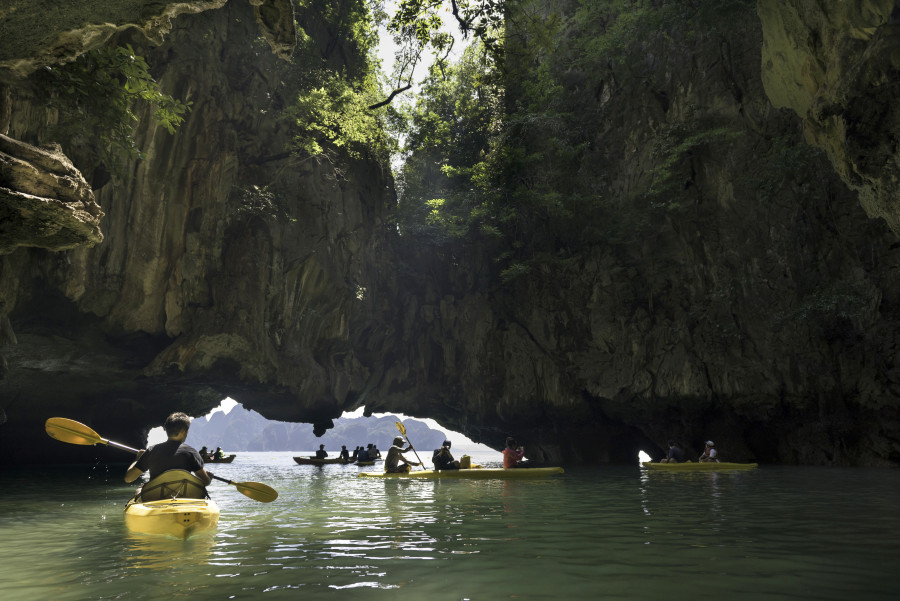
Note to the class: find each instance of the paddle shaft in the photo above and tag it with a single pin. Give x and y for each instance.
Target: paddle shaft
(136, 451)
(73, 432)
(402, 429)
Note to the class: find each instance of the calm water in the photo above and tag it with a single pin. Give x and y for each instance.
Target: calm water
(609, 533)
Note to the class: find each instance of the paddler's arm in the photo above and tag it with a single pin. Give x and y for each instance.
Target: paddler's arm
(134, 472)
(204, 476)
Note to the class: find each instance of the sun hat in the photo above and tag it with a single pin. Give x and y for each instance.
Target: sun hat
(710, 443)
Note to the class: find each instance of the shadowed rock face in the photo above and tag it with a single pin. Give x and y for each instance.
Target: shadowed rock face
(837, 64)
(766, 322)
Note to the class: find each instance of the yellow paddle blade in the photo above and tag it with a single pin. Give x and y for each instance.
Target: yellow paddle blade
(402, 428)
(67, 430)
(257, 491)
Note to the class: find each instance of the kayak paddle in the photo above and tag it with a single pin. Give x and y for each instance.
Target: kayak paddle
(67, 430)
(402, 429)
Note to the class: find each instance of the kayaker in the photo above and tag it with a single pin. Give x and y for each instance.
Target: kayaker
(374, 453)
(675, 454)
(219, 454)
(204, 454)
(395, 458)
(513, 454)
(363, 454)
(172, 454)
(709, 452)
(345, 454)
(321, 453)
(443, 459)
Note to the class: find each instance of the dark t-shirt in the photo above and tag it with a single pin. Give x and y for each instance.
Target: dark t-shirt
(442, 461)
(170, 455)
(676, 454)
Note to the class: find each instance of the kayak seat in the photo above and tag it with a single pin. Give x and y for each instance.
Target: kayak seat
(172, 484)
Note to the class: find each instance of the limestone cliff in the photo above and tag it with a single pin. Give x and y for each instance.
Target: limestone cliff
(228, 266)
(837, 64)
(757, 305)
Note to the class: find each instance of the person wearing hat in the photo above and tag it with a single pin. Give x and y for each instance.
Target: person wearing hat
(395, 458)
(709, 453)
(442, 459)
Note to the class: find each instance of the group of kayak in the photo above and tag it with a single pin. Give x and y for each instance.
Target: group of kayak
(367, 455)
(217, 456)
(175, 502)
(708, 460)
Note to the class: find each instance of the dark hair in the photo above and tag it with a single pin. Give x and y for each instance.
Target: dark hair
(671, 443)
(176, 423)
(510, 442)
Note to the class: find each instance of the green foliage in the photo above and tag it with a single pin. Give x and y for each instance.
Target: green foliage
(444, 183)
(331, 116)
(336, 115)
(507, 153)
(97, 93)
(623, 29)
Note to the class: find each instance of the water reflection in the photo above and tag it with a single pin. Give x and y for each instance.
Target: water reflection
(149, 552)
(610, 533)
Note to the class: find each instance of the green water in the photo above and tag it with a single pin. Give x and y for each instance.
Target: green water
(609, 533)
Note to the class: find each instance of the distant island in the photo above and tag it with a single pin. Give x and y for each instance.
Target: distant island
(245, 430)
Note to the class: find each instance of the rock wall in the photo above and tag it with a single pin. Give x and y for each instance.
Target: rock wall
(228, 266)
(836, 64)
(754, 304)
(759, 310)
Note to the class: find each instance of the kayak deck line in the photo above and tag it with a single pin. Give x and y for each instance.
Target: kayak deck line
(520, 473)
(689, 466)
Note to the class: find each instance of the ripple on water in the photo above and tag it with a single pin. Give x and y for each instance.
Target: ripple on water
(614, 533)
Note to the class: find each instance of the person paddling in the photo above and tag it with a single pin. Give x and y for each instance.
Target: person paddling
(395, 458)
(172, 454)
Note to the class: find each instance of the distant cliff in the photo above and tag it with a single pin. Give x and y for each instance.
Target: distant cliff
(244, 430)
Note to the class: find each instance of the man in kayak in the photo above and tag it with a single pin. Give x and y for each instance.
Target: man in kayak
(675, 454)
(710, 453)
(172, 454)
(321, 453)
(395, 458)
(442, 459)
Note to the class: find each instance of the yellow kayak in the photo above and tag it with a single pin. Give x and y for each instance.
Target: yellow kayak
(174, 504)
(473, 474)
(690, 466)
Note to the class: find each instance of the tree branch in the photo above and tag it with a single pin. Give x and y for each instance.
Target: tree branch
(388, 100)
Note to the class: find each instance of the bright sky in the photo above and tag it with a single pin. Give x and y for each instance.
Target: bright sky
(387, 48)
(460, 442)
